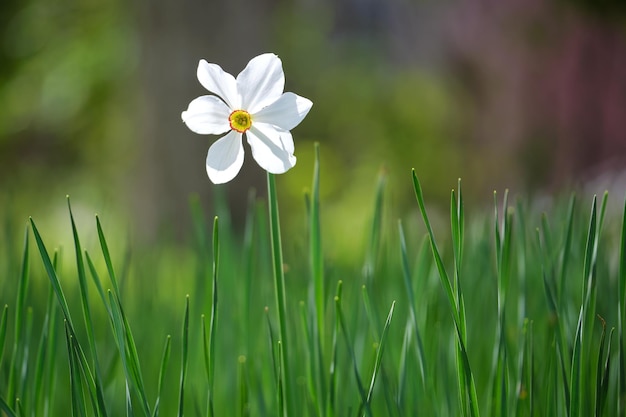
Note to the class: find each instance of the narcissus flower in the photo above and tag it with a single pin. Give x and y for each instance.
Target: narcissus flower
(252, 104)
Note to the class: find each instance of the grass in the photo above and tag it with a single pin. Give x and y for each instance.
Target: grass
(515, 311)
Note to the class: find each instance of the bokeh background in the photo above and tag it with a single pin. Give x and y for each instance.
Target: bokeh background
(524, 94)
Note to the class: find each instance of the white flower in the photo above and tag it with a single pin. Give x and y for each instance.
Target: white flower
(254, 104)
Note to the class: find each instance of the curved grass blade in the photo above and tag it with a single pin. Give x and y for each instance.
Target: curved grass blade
(50, 270)
(165, 357)
(126, 341)
(379, 353)
(575, 404)
(470, 386)
(84, 293)
(603, 370)
(6, 408)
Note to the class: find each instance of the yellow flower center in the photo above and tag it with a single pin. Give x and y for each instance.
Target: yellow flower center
(240, 120)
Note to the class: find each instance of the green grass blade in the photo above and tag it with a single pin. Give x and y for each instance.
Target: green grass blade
(316, 259)
(551, 298)
(379, 353)
(40, 366)
(319, 285)
(107, 258)
(331, 405)
(575, 378)
(18, 329)
(311, 370)
(344, 331)
(84, 293)
(280, 383)
(468, 384)
(4, 406)
(98, 283)
(279, 287)
(78, 396)
(126, 341)
(272, 344)
(165, 357)
(406, 274)
(3, 329)
(50, 270)
(184, 359)
(524, 398)
(213, 322)
(369, 312)
(376, 229)
(443, 275)
(567, 244)
(242, 384)
(602, 370)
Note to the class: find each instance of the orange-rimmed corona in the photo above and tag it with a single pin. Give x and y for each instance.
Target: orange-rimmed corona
(240, 120)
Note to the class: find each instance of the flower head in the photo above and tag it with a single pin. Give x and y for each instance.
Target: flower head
(252, 104)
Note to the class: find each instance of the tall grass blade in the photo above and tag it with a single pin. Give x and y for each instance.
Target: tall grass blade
(469, 386)
(184, 359)
(602, 370)
(567, 244)
(18, 330)
(317, 377)
(379, 353)
(317, 262)
(550, 291)
(213, 323)
(575, 405)
(126, 340)
(84, 293)
(50, 270)
(165, 357)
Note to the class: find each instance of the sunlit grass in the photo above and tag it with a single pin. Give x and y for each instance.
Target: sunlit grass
(512, 311)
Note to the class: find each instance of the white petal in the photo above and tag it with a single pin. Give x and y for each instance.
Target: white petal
(207, 115)
(225, 158)
(261, 82)
(287, 112)
(216, 80)
(272, 149)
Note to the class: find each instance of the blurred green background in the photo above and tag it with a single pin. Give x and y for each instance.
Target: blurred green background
(525, 94)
